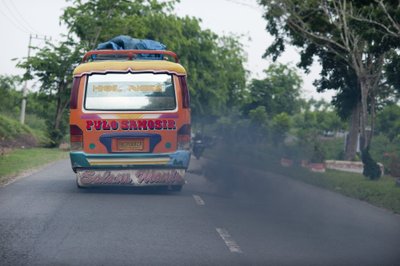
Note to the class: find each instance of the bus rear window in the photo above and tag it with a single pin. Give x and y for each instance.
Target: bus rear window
(130, 91)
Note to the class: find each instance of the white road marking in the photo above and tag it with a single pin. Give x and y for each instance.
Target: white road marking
(230, 243)
(199, 200)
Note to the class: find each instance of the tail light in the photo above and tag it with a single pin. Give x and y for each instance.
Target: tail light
(184, 137)
(73, 101)
(76, 138)
(185, 93)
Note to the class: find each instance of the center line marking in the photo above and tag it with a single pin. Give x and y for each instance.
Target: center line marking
(199, 200)
(230, 243)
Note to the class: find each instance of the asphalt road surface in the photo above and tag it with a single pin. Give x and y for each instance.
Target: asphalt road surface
(46, 220)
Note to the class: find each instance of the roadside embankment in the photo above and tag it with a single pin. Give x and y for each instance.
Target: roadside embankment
(14, 135)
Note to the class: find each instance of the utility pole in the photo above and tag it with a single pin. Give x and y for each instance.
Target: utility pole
(25, 88)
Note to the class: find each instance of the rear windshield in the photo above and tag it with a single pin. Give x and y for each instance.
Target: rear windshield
(130, 91)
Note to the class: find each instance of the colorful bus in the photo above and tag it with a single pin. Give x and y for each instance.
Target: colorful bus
(130, 119)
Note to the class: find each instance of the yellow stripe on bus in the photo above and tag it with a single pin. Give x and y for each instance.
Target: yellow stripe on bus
(121, 116)
(128, 161)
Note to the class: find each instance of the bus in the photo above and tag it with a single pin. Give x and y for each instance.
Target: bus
(130, 119)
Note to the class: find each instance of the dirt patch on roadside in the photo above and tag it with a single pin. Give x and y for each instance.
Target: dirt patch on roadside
(22, 141)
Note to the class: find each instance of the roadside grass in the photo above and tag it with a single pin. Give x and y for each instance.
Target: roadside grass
(21, 160)
(9, 128)
(382, 192)
(14, 135)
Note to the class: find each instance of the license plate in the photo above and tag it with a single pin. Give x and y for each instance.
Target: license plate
(130, 145)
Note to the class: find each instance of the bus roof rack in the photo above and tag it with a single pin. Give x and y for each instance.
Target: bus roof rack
(129, 54)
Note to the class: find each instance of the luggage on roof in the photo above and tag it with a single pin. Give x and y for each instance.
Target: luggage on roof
(124, 42)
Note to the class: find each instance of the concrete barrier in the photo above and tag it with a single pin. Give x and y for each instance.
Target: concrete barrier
(286, 162)
(317, 167)
(348, 166)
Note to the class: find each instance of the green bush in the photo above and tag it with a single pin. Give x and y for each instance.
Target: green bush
(12, 133)
(385, 151)
(334, 148)
(11, 129)
(319, 152)
(36, 122)
(42, 138)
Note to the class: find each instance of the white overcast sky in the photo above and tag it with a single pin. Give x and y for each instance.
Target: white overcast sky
(19, 18)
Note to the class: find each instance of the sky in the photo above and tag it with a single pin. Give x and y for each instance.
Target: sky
(19, 18)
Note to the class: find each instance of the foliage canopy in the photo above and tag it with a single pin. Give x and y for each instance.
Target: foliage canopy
(216, 75)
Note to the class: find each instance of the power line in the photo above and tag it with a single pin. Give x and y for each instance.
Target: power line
(15, 18)
(237, 2)
(24, 21)
(24, 30)
(12, 15)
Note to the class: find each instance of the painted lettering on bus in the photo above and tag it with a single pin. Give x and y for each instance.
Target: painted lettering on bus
(158, 177)
(139, 124)
(106, 178)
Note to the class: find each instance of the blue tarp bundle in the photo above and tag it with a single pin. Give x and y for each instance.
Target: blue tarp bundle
(124, 42)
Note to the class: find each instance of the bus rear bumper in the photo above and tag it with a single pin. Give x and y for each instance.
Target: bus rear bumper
(176, 160)
(131, 177)
(130, 169)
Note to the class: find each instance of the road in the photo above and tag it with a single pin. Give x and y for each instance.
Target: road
(46, 220)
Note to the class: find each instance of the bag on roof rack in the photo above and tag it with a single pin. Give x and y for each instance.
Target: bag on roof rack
(124, 42)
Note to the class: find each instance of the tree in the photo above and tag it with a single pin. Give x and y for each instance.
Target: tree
(392, 81)
(281, 124)
(10, 98)
(330, 27)
(382, 15)
(53, 66)
(388, 122)
(216, 76)
(258, 124)
(96, 21)
(337, 75)
(278, 93)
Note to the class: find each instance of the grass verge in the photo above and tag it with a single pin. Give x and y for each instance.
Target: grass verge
(21, 160)
(382, 192)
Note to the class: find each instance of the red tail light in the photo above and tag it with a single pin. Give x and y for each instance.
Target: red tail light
(184, 137)
(76, 138)
(185, 93)
(73, 101)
